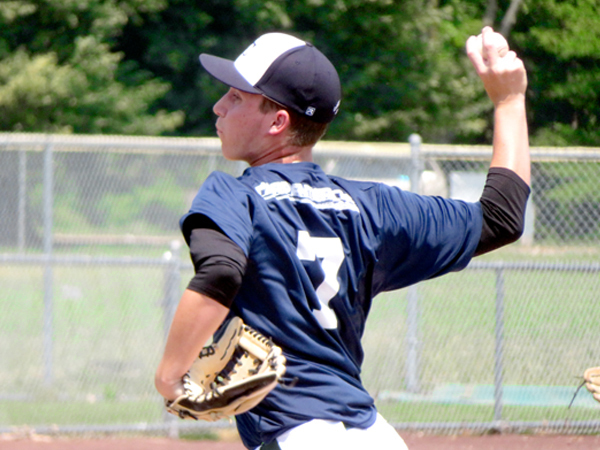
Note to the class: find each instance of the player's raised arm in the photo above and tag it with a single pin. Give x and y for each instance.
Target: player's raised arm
(505, 81)
(505, 194)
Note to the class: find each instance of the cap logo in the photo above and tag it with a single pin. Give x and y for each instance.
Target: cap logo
(310, 111)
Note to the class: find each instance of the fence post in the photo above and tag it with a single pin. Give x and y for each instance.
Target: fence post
(499, 351)
(413, 383)
(171, 284)
(413, 376)
(415, 162)
(48, 318)
(22, 205)
(170, 301)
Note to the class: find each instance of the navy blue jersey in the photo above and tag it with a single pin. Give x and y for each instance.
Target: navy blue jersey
(319, 249)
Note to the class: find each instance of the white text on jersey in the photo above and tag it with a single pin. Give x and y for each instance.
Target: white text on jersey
(320, 198)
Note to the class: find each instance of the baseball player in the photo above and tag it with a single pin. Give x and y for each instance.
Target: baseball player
(300, 255)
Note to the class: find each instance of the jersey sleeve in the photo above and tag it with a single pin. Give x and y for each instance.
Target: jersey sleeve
(421, 237)
(225, 201)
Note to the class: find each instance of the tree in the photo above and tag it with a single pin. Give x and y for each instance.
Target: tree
(561, 46)
(59, 74)
(404, 71)
(402, 64)
(131, 66)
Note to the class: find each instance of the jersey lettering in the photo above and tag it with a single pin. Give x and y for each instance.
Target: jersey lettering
(320, 198)
(329, 252)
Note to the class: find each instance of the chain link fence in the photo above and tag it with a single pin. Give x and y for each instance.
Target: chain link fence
(92, 266)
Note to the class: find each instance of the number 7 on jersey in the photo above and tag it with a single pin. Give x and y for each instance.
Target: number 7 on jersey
(329, 252)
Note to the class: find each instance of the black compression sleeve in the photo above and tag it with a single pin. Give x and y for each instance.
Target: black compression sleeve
(503, 203)
(197, 221)
(219, 264)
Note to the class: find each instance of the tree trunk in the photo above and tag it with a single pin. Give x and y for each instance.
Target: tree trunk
(490, 13)
(510, 17)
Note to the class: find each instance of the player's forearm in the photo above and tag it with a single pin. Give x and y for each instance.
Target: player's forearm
(196, 319)
(511, 138)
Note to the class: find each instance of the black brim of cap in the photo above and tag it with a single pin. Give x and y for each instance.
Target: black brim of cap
(224, 71)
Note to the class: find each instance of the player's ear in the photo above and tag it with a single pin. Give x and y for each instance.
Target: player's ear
(281, 122)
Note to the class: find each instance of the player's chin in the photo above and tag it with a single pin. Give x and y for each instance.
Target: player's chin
(228, 152)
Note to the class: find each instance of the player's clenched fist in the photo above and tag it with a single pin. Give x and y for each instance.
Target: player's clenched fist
(502, 72)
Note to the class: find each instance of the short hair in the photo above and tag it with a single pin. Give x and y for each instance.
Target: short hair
(303, 131)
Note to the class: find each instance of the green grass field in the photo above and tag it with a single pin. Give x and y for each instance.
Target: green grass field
(108, 327)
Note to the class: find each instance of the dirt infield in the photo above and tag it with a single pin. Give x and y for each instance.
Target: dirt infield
(415, 441)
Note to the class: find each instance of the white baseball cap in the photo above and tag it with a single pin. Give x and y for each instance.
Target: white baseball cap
(285, 69)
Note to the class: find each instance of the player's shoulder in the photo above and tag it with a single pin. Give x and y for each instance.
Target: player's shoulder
(218, 176)
(225, 182)
(363, 191)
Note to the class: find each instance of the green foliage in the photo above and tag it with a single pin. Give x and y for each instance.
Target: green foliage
(114, 193)
(400, 73)
(560, 44)
(402, 65)
(131, 66)
(163, 198)
(59, 74)
(569, 201)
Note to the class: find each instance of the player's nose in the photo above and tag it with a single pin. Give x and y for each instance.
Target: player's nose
(219, 107)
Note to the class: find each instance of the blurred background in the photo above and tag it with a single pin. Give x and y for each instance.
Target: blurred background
(107, 132)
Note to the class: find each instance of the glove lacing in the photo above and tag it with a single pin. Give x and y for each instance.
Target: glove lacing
(271, 360)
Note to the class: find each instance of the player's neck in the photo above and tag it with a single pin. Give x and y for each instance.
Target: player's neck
(285, 155)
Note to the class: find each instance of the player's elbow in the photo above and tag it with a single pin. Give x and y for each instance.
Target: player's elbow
(510, 236)
(169, 387)
(513, 234)
(499, 233)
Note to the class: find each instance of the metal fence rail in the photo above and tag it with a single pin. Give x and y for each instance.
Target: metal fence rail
(92, 268)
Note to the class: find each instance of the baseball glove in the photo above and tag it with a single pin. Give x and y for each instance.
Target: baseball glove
(592, 381)
(231, 376)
